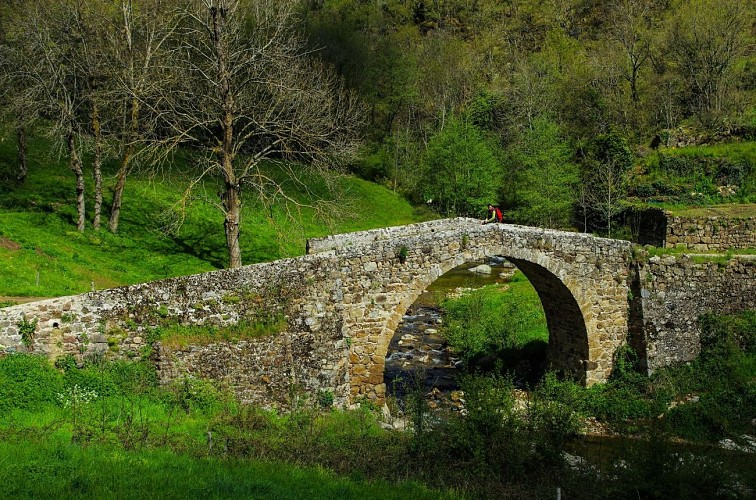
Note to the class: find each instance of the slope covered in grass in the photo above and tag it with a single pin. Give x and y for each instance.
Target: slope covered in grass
(42, 255)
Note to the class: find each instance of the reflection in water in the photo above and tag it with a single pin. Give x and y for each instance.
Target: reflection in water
(418, 355)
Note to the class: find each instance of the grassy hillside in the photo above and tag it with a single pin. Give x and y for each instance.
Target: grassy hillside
(696, 176)
(42, 255)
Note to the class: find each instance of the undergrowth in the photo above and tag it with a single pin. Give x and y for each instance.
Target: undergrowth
(116, 419)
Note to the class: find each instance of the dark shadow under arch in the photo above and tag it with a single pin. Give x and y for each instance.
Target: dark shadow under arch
(568, 336)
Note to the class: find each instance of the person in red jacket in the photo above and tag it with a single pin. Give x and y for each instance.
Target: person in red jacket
(494, 214)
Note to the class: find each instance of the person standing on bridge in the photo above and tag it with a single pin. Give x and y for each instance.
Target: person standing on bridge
(494, 214)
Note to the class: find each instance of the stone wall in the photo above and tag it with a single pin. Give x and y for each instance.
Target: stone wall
(309, 353)
(710, 233)
(675, 291)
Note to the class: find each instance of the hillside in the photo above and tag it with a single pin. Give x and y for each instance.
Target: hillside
(42, 254)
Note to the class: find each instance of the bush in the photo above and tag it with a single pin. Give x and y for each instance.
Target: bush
(109, 378)
(486, 322)
(616, 404)
(27, 382)
(553, 422)
(725, 411)
(717, 390)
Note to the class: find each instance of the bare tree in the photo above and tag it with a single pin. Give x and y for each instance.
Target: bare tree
(249, 95)
(96, 77)
(629, 25)
(607, 190)
(140, 49)
(705, 40)
(18, 104)
(53, 69)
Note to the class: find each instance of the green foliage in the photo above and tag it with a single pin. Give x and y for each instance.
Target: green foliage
(493, 434)
(193, 394)
(485, 111)
(111, 378)
(57, 469)
(698, 175)
(461, 171)
(403, 254)
(325, 399)
(27, 329)
(722, 377)
(545, 177)
(486, 322)
(613, 149)
(552, 422)
(42, 255)
(180, 336)
(27, 382)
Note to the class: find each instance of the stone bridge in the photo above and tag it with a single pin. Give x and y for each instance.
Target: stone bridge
(339, 305)
(582, 282)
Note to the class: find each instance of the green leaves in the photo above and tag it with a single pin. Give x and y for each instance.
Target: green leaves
(461, 171)
(545, 177)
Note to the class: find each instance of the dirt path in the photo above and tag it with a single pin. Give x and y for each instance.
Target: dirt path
(21, 300)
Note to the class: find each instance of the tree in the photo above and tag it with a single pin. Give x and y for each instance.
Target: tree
(605, 176)
(140, 50)
(55, 71)
(19, 103)
(461, 171)
(705, 39)
(249, 94)
(629, 23)
(545, 177)
(93, 61)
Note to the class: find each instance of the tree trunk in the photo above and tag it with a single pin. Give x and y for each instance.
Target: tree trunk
(97, 165)
(125, 168)
(75, 165)
(115, 210)
(231, 197)
(22, 166)
(232, 207)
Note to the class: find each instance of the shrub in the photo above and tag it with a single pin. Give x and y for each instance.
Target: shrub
(27, 382)
(485, 322)
(194, 394)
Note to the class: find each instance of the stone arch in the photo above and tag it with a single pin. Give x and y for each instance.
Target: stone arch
(568, 335)
(568, 349)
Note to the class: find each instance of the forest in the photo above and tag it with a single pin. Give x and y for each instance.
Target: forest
(545, 107)
(565, 113)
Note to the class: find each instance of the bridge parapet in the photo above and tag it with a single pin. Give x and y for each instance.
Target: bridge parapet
(342, 241)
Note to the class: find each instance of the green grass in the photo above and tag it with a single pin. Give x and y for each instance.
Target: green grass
(690, 177)
(64, 470)
(181, 336)
(734, 211)
(495, 319)
(133, 437)
(734, 150)
(42, 255)
(719, 258)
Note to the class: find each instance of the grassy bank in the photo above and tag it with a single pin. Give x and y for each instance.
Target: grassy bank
(65, 470)
(42, 255)
(697, 176)
(499, 325)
